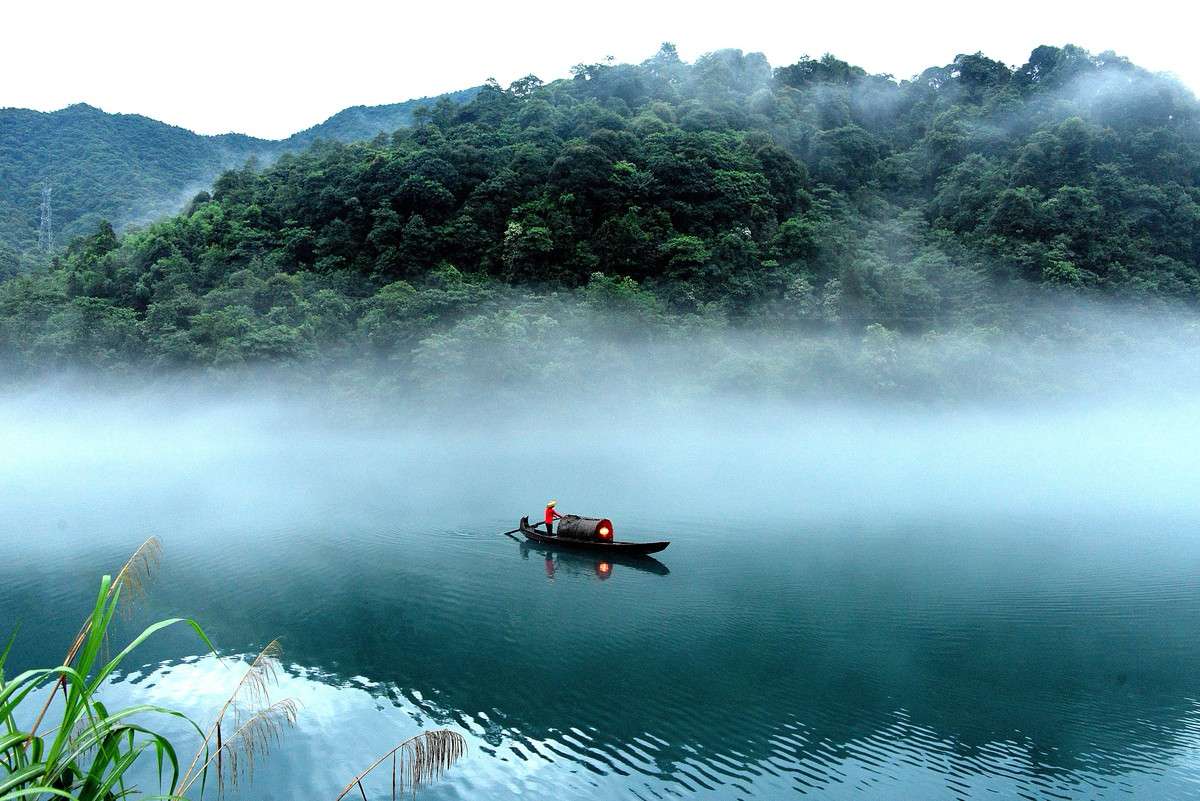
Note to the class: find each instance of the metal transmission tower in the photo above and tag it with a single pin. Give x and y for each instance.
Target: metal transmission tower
(46, 230)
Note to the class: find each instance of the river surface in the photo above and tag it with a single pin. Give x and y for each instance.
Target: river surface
(853, 606)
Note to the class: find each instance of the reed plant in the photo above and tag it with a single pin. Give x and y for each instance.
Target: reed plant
(75, 747)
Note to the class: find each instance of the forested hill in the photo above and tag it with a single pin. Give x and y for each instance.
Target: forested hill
(365, 122)
(120, 167)
(127, 168)
(808, 197)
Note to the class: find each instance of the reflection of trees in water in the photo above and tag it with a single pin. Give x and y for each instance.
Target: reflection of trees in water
(750, 661)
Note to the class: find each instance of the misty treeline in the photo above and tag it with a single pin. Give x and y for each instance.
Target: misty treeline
(776, 227)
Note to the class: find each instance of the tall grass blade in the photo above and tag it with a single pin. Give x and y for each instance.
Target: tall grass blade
(89, 751)
(133, 576)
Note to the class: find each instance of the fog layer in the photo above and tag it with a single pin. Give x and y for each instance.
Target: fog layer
(642, 442)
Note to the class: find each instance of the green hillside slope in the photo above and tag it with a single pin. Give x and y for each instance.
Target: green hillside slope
(126, 168)
(668, 198)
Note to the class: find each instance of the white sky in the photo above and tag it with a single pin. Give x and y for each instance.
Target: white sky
(271, 68)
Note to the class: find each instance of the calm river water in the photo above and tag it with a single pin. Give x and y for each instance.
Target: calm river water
(883, 605)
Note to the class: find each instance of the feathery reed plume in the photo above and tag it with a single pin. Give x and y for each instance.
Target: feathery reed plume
(417, 761)
(133, 577)
(137, 572)
(235, 756)
(254, 688)
(131, 581)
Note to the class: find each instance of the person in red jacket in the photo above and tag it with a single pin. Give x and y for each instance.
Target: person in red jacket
(551, 516)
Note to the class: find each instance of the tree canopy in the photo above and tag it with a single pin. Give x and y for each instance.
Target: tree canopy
(813, 196)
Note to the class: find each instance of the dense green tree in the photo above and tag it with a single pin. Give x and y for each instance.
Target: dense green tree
(661, 197)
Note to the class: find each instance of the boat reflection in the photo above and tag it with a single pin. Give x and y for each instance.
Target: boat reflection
(559, 559)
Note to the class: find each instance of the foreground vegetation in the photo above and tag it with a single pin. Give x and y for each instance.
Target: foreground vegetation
(657, 203)
(80, 749)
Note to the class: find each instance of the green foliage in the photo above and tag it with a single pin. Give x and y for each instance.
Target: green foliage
(131, 169)
(85, 752)
(78, 749)
(632, 201)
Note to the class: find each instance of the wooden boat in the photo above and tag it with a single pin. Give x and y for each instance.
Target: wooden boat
(614, 547)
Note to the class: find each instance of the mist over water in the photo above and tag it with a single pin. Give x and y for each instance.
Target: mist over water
(866, 596)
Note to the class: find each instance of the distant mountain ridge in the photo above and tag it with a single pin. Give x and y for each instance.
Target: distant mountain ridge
(364, 122)
(128, 168)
